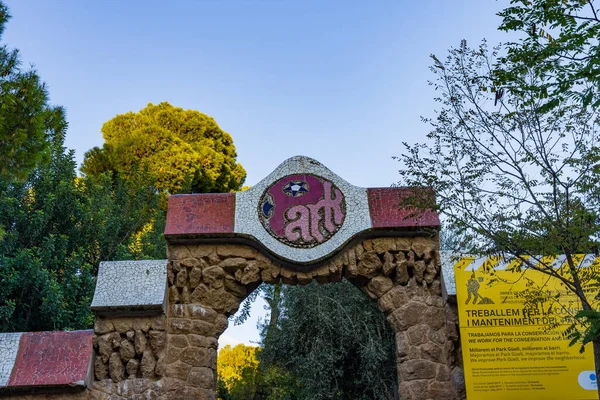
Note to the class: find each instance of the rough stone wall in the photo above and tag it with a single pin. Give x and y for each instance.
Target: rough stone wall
(174, 356)
(127, 357)
(207, 283)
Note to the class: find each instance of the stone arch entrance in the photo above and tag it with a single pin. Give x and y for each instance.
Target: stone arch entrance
(158, 323)
(208, 282)
(301, 223)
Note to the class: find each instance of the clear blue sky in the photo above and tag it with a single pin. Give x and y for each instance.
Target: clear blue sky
(344, 82)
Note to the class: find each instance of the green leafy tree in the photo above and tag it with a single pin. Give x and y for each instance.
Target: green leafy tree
(512, 175)
(58, 228)
(330, 342)
(559, 44)
(27, 121)
(184, 150)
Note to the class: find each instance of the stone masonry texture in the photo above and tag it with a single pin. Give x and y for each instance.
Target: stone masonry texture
(173, 356)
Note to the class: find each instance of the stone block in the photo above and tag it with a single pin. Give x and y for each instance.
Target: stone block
(100, 368)
(179, 325)
(418, 334)
(132, 367)
(441, 390)
(148, 364)
(127, 350)
(139, 342)
(251, 273)
(103, 325)
(196, 356)
(380, 285)
(388, 263)
(213, 276)
(227, 250)
(231, 265)
(157, 340)
(122, 325)
(235, 288)
(116, 368)
(417, 369)
(179, 370)
(408, 315)
(142, 324)
(196, 311)
(202, 377)
(394, 298)
(202, 328)
(195, 276)
(270, 273)
(369, 264)
(178, 341)
(383, 245)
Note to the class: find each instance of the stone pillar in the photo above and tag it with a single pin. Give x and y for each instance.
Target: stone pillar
(408, 291)
(129, 330)
(204, 287)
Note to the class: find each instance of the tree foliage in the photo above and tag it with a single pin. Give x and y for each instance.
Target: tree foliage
(238, 372)
(559, 45)
(330, 342)
(58, 227)
(513, 152)
(27, 121)
(184, 150)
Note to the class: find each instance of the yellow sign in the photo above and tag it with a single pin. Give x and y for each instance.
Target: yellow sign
(513, 349)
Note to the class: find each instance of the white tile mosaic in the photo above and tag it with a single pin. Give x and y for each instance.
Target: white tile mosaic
(130, 283)
(448, 260)
(357, 211)
(9, 346)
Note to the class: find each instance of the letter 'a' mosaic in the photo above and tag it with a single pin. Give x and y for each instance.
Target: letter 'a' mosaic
(302, 210)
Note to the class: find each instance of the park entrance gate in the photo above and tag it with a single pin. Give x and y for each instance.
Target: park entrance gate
(158, 322)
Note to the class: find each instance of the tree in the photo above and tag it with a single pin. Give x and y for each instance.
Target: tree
(58, 228)
(238, 372)
(184, 150)
(27, 121)
(331, 342)
(513, 176)
(559, 44)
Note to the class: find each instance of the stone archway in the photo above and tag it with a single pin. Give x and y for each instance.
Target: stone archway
(301, 223)
(208, 282)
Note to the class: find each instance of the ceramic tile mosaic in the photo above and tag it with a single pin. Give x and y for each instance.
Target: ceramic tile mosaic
(9, 347)
(208, 213)
(53, 358)
(448, 279)
(356, 219)
(386, 210)
(302, 212)
(130, 284)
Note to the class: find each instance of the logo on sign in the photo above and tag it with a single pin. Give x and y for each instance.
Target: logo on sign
(302, 210)
(587, 380)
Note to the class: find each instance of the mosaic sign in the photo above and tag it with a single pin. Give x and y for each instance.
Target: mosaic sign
(302, 210)
(301, 213)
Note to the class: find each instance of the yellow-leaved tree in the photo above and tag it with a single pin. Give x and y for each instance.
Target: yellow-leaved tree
(184, 150)
(238, 373)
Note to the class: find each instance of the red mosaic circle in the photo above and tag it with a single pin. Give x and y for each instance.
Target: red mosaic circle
(302, 210)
